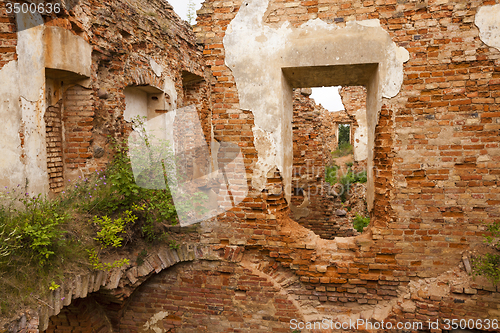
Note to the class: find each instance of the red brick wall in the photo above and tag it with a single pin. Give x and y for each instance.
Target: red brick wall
(121, 58)
(209, 297)
(78, 121)
(8, 36)
(354, 99)
(312, 132)
(54, 141)
(435, 163)
(82, 316)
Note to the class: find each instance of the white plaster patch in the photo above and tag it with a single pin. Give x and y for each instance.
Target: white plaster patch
(361, 136)
(10, 113)
(34, 144)
(488, 21)
(265, 146)
(23, 102)
(136, 103)
(156, 67)
(30, 51)
(374, 23)
(152, 323)
(169, 89)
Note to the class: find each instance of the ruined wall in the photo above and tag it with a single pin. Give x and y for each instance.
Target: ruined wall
(354, 100)
(435, 145)
(313, 201)
(83, 315)
(434, 163)
(156, 52)
(54, 142)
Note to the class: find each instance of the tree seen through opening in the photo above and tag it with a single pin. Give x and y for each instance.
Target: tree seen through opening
(344, 134)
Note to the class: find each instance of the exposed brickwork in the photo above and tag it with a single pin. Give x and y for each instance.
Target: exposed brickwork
(435, 163)
(78, 125)
(82, 316)
(354, 99)
(313, 128)
(121, 58)
(452, 296)
(436, 168)
(54, 142)
(8, 36)
(209, 297)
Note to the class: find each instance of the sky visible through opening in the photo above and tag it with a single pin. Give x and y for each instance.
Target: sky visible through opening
(328, 97)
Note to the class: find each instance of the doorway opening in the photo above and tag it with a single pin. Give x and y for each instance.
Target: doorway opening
(328, 177)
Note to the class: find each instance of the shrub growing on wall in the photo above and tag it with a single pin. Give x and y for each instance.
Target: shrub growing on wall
(488, 264)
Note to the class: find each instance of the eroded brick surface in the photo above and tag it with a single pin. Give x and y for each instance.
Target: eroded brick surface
(435, 168)
(209, 297)
(436, 143)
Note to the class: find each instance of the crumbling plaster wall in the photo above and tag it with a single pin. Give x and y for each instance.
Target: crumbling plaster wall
(24, 98)
(273, 54)
(434, 153)
(354, 100)
(78, 48)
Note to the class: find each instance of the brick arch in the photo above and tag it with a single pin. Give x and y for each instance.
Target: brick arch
(210, 296)
(109, 290)
(177, 289)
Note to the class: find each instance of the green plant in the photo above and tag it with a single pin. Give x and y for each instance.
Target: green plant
(361, 177)
(122, 180)
(360, 222)
(98, 265)
(9, 241)
(140, 257)
(173, 245)
(348, 179)
(54, 286)
(191, 12)
(344, 133)
(343, 149)
(108, 235)
(40, 220)
(488, 264)
(331, 174)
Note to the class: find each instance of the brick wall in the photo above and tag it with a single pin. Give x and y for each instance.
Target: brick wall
(54, 143)
(8, 36)
(82, 316)
(436, 169)
(209, 297)
(436, 145)
(354, 99)
(121, 58)
(78, 118)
